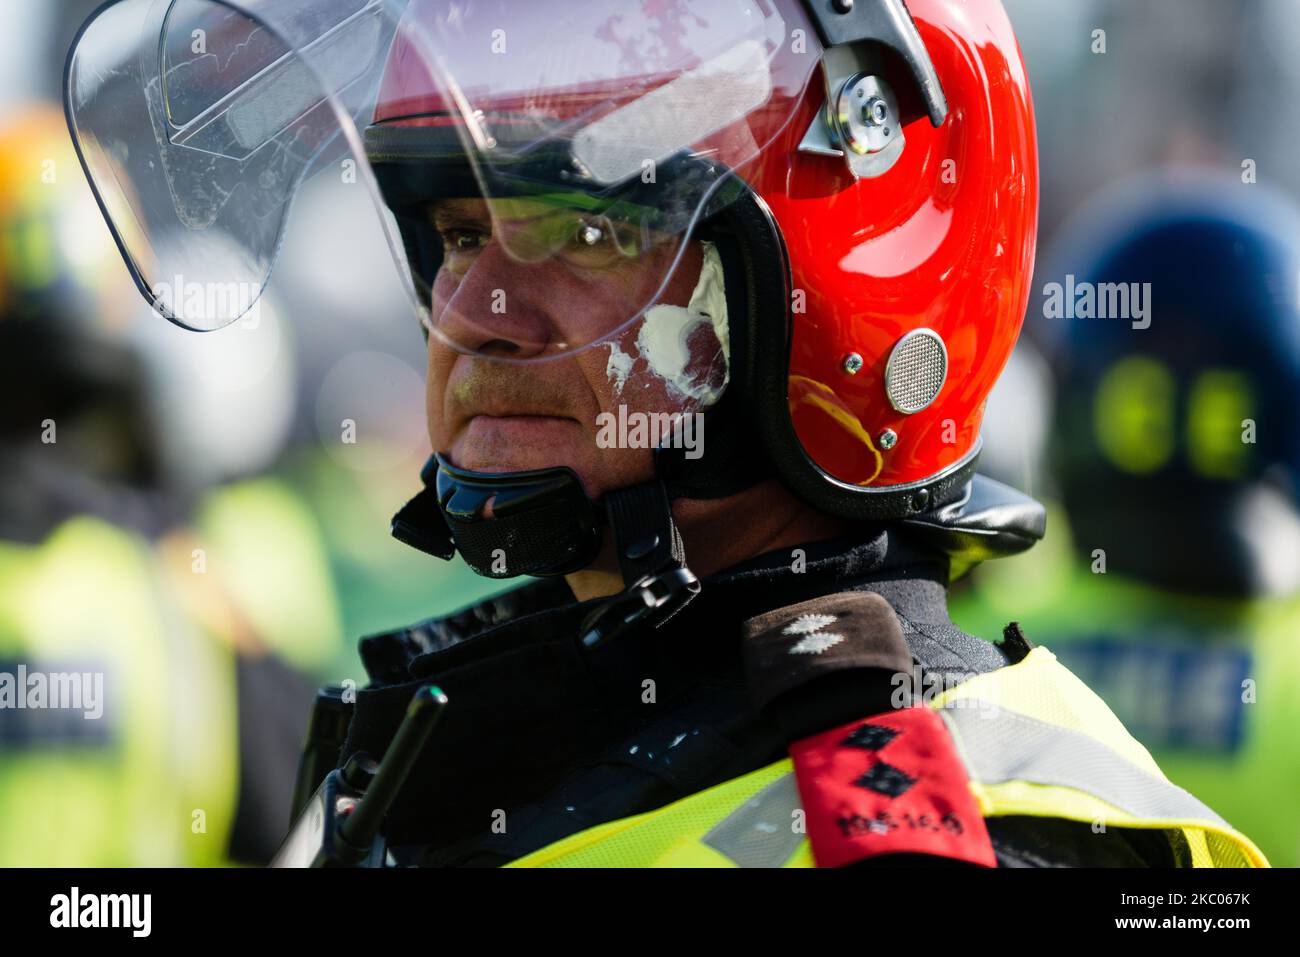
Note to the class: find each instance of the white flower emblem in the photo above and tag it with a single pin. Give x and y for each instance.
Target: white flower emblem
(807, 624)
(816, 643)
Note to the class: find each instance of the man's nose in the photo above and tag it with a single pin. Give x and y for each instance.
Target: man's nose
(498, 307)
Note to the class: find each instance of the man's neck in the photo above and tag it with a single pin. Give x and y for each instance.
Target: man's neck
(719, 533)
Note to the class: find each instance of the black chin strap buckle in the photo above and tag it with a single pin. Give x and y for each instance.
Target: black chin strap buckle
(543, 524)
(420, 522)
(653, 597)
(652, 561)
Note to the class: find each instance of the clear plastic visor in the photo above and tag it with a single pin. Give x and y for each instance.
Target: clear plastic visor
(539, 168)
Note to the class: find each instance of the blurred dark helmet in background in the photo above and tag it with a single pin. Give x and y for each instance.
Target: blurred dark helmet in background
(103, 409)
(1177, 438)
(71, 389)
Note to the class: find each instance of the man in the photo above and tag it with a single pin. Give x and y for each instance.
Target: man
(1175, 451)
(713, 295)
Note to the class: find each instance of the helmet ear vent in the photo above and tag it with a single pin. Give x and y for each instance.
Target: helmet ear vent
(916, 370)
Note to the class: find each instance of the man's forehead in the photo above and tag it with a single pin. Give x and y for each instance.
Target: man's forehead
(508, 212)
(532, 204)
(460, 207)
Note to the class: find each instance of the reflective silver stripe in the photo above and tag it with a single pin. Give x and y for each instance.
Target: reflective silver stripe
(760, 833)
(1000, 745)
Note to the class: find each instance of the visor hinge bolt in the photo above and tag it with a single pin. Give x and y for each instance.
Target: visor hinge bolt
(888, 439)
(853, 363)
(875, 112)
(842, 6)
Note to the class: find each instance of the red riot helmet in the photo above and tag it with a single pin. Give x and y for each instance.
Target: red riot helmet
(886, 231)
(867, 170)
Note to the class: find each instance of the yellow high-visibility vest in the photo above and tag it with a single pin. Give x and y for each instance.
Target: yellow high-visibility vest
(144, 771)
(1034, 739)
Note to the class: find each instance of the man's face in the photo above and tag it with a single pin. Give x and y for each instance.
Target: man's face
(495, 416)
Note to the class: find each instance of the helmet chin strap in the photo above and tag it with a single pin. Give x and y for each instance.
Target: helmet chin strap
(542, 523)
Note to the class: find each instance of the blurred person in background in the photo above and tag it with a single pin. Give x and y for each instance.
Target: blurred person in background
(127, 552)
(1175, 452)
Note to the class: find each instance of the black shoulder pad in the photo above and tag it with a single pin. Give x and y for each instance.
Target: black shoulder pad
(823, 662)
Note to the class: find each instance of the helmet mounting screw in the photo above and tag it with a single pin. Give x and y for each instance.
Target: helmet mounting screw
(888, 439)
(843, 6)
(875, 112)
(852, 363)
(860, 117)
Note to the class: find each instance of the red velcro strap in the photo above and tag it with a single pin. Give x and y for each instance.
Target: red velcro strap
(888, 784)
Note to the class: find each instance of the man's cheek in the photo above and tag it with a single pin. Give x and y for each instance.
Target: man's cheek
(602, 469)
(647, 392)
(628, 378)
(708, 363)
(435, 390)
(679, 355)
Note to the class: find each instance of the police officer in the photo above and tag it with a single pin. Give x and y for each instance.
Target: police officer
(128, 578)
(713, 296)
(1175, 455)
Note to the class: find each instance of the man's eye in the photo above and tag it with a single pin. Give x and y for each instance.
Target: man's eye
(464, 240)
(598, 239)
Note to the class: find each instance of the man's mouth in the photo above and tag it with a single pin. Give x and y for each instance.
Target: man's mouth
(520, 418)
(524, 428)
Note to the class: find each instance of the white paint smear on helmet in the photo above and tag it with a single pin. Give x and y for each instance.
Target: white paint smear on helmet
(664, 339)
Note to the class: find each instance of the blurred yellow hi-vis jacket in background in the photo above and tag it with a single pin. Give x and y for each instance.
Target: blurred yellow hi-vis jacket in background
(139, 766)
